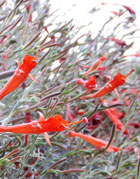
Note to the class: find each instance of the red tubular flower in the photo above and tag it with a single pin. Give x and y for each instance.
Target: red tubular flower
(30, 20)
(119, 42)
(28, 7)
(2, 39)
(103, 68)
(130, 10)
(28, 119)
(117, 113)
(95, 65)
(127, 101)
(134, 91)
(133, 55)
(33, 161)
(53, 38)
(134, 124)
(118, 80)
(38, 172)
(98, 143)
(53, 124)
(115, 13)
(88, 84)
(115, 120)
(80, 81)
(62, 59)
(29, 174)
(17, 164)
(20, 75)
(114, 111)
(4, 60)
(69, 114)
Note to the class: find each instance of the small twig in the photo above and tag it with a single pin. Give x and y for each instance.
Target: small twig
(16, 7)
(53, 107)
(40, 104)
(50, 45)
(58, 145)
(14, 152)
(3, 3)
(59, 161)
(14, 159)
(96, 107)
(88, 116)
(43, 56)
(138, 169)
(109, 142)
(113, 130)
(119, 159)
(14, 24)
(6, 74)
(77, 97)
(4, 150)
(50, 96)
(50, 90)
(29, 43)
(73, 170)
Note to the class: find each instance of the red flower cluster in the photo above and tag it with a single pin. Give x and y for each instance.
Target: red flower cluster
(118, 80)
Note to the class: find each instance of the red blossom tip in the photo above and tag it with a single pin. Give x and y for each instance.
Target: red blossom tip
(77, 122)
(130, 72)
(80, 81)
(102, 59)
(71, 134)
(125, 132)
(85, 120)
(103, 3)
(46, 29)
(39, 50)
(28, 7)
(133, 70)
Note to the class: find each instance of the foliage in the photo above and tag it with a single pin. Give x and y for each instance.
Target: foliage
(64, 58)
